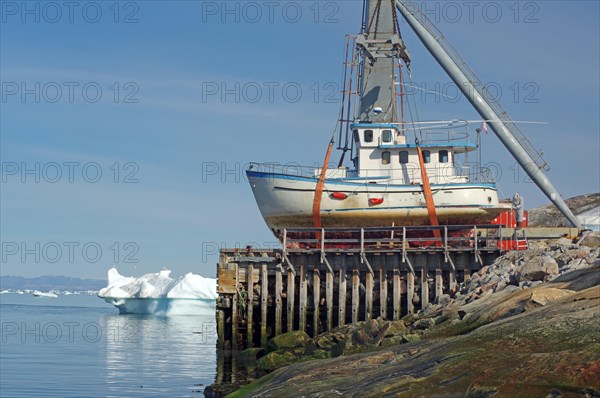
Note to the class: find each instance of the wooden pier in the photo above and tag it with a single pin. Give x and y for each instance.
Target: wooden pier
(321, 279)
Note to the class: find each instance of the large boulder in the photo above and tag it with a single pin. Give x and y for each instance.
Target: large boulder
(289, 340)
(539, 268)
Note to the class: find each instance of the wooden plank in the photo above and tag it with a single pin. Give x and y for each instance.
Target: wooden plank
(329, 299)
(342, 296)
(424, 283)
(250, 306)
(278, 301)
(264, 295)
(316, 300)
(355, 294)
(368, 296)
(383, 289)
(291, 285)
(227, 278)
(303, 298)
(410, 292)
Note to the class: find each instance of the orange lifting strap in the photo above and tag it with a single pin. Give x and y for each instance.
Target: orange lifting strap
(316, 211)
(433, 220)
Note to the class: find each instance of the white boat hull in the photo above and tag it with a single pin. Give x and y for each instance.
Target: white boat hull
(285, 201)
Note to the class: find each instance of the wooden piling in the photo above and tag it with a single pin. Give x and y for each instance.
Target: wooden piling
(355, 294)
(383, 289)
(291, 284)
(316, 300)
(303, 298)
(329, 298)
(278, 301)
(342, 296)
(250, 305)
(396, 295)
(410, 291)
(264, 295)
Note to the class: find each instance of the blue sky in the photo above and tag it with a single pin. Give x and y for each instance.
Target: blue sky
(125, 91)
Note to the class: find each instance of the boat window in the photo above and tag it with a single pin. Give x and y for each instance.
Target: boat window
(368, 135)
(355, 135)
(403, 157)
(427, 156)
(443, 156)
(386, 157)
(386, 136)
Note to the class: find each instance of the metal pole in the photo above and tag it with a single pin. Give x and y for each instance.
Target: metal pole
(435, 45)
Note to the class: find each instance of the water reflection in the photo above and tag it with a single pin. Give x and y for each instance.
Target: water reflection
(148, 355)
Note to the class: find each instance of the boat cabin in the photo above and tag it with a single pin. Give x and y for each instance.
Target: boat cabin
(382, 152)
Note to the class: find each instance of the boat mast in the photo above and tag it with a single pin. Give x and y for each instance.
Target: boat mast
(464, 78)
(382, 47)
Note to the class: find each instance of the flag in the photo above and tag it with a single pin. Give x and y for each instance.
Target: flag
(484, 127)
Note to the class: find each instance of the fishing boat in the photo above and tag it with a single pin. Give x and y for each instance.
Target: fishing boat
(394, 169)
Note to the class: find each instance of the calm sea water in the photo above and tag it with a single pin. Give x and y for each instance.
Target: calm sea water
(79, 346)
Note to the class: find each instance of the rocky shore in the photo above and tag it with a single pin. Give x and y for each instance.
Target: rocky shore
(528, 325)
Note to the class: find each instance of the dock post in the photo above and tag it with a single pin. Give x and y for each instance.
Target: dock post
(439, 281)
(396, 296)
(342, 296)
(278, 304)
(291, 284)
(424, 283)
(410, 291)
(355, 295)
(264, 295)
(329, 298)
(383, 289)
(303, 299)
(368, 296)
(316, 300)
(234, 310)
(250, 306)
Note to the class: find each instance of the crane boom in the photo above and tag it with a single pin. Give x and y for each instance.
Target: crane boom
(464, 78)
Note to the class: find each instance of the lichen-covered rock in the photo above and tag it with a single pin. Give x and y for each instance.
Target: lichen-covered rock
(289, 340)
(275, 360)
(424, 324)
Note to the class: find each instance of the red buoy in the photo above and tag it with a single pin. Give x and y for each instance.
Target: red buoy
(339, 195)
(376, 201)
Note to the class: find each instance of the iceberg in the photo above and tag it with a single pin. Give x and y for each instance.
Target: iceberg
(159, 294)
(590, 219)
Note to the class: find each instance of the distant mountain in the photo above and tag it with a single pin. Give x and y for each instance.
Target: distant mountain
(50, 283)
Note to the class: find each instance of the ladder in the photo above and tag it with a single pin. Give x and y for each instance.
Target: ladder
(520, 242)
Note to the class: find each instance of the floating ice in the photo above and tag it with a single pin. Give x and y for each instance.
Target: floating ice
(159, 294)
